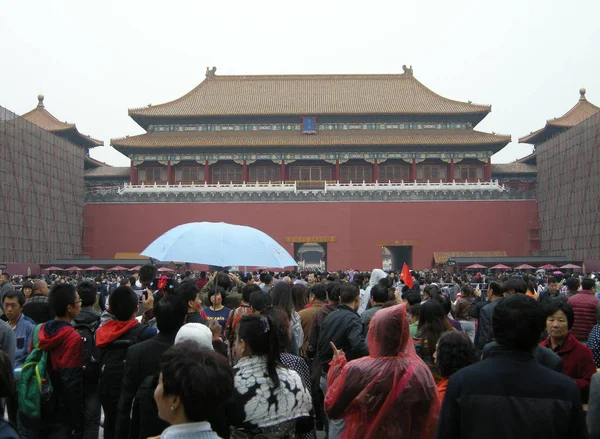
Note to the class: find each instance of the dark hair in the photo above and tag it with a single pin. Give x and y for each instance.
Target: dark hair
(12, 294)
(455, 350)
(248, 290)
(349, 292)
(170, 314)
(496, 288)
(467, 291)
(88, 293)
(61, 296)
(379, 293)
(359, 278)
(122, 303)
(333, 291)
(202, 379)
(415, 309)
(445, 303)
(187, 290)
(260, 335)
(222, 280)
(299, 297)
(518, 321)
(27, 284)
(282, 297)
(282, 326)
(432, 291)
(320, 292)
(433, 322)
(147, 274)
(587, 283)
(515, 284)
(266, 279)
(260, 300)
(213, 291)
(559, 305)
(573, 283)
(413, 298)
(552, 280)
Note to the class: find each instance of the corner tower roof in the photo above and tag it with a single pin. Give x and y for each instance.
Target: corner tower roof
(44, 119)
(309, 95)
(580, 112)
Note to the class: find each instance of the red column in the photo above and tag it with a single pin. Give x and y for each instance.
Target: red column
(487, 172)
(283, 177)
(451, 171)
(132, 179)
(206, 172)
(337, 170)
(169, 173)
(245, 172)
(413, 171)
(375, 171)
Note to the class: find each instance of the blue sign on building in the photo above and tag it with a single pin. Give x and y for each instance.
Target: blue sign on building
(309, 125)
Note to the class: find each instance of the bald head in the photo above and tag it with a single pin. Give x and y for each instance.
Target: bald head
(40, 287)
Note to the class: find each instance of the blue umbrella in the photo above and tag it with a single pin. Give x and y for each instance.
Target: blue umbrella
(219, 244)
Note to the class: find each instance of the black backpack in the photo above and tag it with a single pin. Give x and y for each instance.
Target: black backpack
(112, 363)
(91, 353)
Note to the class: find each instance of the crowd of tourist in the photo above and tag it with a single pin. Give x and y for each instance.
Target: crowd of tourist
(285, 355)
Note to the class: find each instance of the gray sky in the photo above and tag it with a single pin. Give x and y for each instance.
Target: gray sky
(94, 60)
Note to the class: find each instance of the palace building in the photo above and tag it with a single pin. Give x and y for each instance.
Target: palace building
(343, 170)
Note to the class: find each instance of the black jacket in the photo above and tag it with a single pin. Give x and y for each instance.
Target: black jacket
(509, 395)
(485, 333)
(541, 354)
(143, 360)
(345, 329)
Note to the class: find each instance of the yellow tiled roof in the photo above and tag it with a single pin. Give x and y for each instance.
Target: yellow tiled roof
(44, 119)
(580, 112)
(321, 139)
(442, 257)
(126, 255)
(309, 95)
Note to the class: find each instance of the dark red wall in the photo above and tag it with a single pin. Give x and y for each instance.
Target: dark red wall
(358, 227)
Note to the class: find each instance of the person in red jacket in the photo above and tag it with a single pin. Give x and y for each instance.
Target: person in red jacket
(577, 358)
(65, 350)
(584, 305)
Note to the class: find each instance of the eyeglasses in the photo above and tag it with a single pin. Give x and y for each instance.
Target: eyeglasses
(76, 302)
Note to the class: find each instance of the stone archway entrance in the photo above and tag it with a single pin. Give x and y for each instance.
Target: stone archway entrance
(311, 251)
(394, 254)
(311, 255)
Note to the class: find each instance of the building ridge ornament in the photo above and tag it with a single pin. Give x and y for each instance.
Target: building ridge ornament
(408, 71)
(211, 73)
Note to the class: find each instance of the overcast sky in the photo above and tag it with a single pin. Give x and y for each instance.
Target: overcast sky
(94, 60)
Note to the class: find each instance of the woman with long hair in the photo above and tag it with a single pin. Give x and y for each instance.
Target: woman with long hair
(461, 308)
(453, 352)
(388, 394)
(269, 398)
(282, 298)
(293, 362)
(433, 322)
(299, 297)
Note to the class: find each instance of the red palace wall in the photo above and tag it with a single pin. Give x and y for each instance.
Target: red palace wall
(359, 228)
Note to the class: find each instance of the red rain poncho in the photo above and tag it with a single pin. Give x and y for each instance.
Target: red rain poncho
(389, 394)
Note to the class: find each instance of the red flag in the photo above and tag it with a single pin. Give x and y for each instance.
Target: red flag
(406, 277)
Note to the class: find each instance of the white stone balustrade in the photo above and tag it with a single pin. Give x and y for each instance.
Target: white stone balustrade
(489, 186)
(291, 187)
(208, 188)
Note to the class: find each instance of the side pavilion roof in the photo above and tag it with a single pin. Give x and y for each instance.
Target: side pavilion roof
(44, 119)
